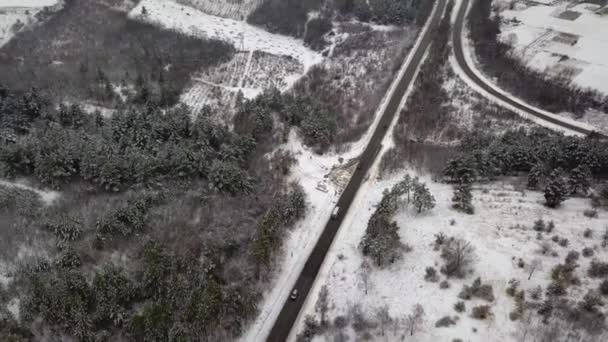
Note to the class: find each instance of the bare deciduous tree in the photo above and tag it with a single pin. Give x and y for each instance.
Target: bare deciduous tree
(384, 318)
(459, 256)
(534, 265)
(322, 304)
(415, 319)
(364, 272)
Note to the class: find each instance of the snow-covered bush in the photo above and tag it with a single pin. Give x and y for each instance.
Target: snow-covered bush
(458, 256)
(481, 312)
(477, 290)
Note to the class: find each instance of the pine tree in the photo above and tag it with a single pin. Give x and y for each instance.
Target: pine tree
(556, 190)
(462, 198)
(423, 200)
(580, 179)
(535, 176)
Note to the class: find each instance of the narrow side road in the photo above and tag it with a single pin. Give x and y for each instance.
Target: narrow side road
(289, 313)
(490, 91)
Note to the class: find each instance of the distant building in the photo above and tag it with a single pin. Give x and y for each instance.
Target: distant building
(566, 38)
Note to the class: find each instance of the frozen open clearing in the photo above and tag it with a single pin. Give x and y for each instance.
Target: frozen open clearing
(561, 37)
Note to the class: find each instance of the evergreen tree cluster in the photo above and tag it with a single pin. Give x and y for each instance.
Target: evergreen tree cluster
(536, 152)
(173, 298)
(286, 209)
(317, 123)
(381, 241)
(390, 12)
(134, 147)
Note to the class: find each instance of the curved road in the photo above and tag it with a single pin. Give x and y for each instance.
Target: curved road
(289, 313)
(457, 41)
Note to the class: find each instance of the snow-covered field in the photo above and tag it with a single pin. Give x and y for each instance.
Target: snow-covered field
(263, 59)
(27, 3)
(550, 39)
(16, 15)
(501, 232)
(233, 9)
(243, 36)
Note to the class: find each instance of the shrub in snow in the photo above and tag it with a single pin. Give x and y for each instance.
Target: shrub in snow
(481, 312)
(360, 323)
(439, 240)
(556, 289)
(477, 290)
(590, 302)
(590, 213)
(588, 233)
(564, 274)
(598, 269)
(555, 238)
(446, 321)
(66, 229)
(564, 242)
(431, 275)
(588, 252)
(536, 292)
(539, 225)
(520, 306)
(458, 256)
(512, 289)
(444, 285)
(340, 322)
(572, 257)
(311, 328)
(604, 287)
(462, 198)
(556, 190)
(550, 227)
(460, 307)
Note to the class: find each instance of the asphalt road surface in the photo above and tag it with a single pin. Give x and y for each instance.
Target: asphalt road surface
(291, 308)
(460, 59)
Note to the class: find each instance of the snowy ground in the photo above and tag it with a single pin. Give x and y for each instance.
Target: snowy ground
(47, 196)
(263, 59)
(27, 3)
(17, 15)
(238, 10)
(535, 31)
(243, 36)
(501, 234)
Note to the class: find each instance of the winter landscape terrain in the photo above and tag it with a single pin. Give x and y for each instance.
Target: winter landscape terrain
(169, 168)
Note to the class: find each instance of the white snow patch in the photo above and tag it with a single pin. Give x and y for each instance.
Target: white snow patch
(27, 3)
(532, 31)
(47, 196)
(242, 35)
(12, 20)
(13, 307)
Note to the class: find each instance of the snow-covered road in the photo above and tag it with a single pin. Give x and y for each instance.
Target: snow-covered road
(463, 63)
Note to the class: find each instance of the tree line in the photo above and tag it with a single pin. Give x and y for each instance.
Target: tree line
(561, 165)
